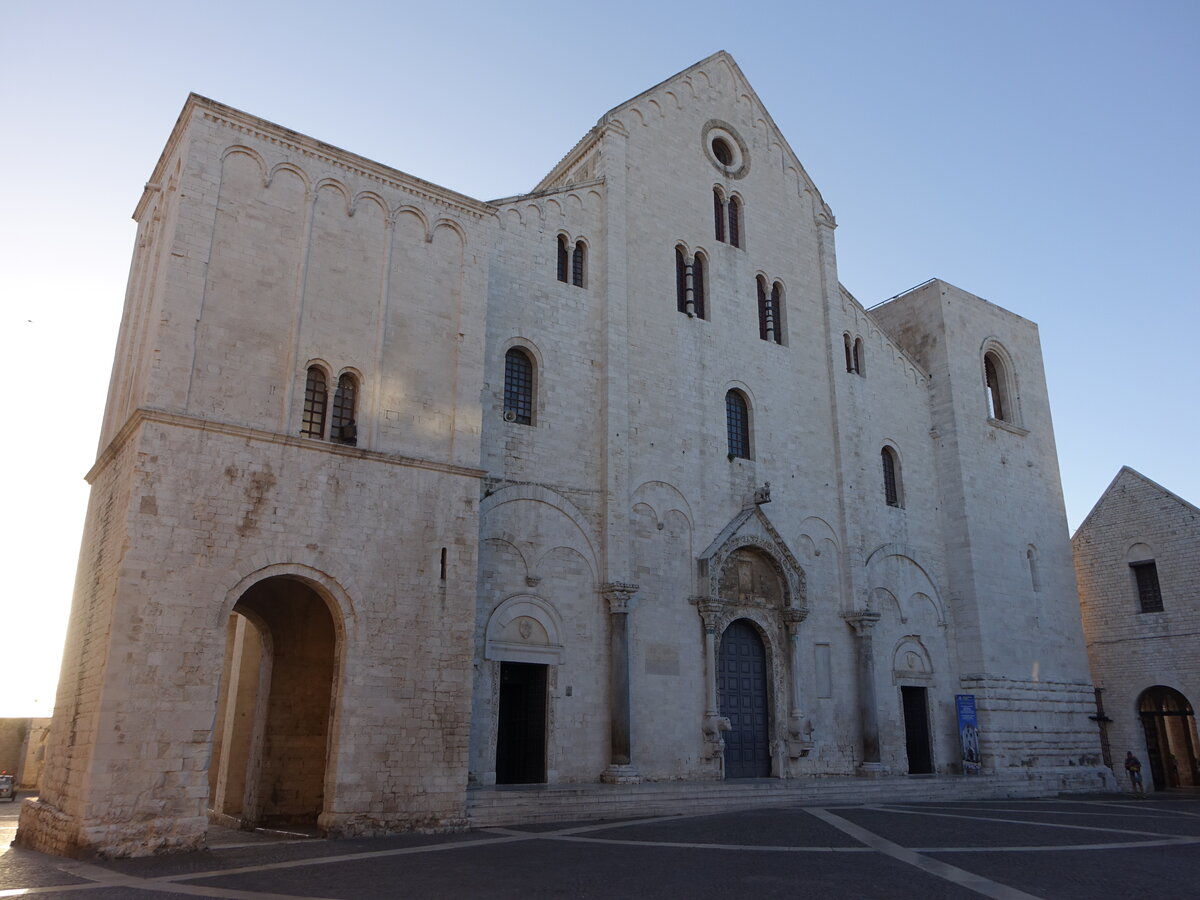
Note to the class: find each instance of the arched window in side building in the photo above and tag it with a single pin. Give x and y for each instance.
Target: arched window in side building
(1145, 576)
(562, 259)
(518, 387)
(345, 428)
(735, 222)
(891, 476)
(995, 377)
(719, 215)
(737, 424)
(316, 396)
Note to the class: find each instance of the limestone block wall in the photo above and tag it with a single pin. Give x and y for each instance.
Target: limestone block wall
(1011, 588)
(1130, 650)
(231, 509)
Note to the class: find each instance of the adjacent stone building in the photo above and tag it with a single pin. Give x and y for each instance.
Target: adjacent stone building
(401, 492)
(1137, 560)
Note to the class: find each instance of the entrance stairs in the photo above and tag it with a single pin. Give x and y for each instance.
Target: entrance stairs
(533, 804)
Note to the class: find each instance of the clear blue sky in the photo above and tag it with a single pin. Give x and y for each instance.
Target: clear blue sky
(1041, 155)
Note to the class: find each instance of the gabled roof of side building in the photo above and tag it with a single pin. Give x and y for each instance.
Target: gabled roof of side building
(1125, 476)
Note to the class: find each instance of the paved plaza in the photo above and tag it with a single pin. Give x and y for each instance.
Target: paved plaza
(1091, 848)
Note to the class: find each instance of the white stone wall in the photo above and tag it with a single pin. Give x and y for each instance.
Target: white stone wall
(1130, 650)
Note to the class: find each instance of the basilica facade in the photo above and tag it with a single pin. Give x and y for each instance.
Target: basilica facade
(402, 494)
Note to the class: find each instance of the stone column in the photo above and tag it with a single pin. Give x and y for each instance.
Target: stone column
(862, 621)
(714, 722)
(799, 728)
(620, 769)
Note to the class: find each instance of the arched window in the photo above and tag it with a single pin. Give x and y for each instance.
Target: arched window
(737, 424)
(699, 284)
(578, 263)
(345, 428)
(1035, 578)
(769, 328)
(681, 291)
(859, 357)
(735, 222)
(562, 259)
(849, 352)
(316, 396)
(518, 387)
(891, 476)
(719, 215)
(1145, 576)
(995, 377)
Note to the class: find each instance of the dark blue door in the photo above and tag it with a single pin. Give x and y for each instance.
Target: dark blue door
(742, 685)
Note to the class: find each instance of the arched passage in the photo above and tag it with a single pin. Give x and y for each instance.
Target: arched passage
(1170, 727)
(742, 689)
(271, 741)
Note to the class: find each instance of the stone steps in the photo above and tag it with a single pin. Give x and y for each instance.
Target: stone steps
(512, 805)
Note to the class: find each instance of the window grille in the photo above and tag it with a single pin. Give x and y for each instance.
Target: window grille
(891, 490)
(737, 425)
(562, 259)
(345, 429)
(719, 215)
(763, 311)
(735, 225)
(698, 284)
(1145, 573)
(316, 396)
(777, 313)
(518, 387)
(577, 264)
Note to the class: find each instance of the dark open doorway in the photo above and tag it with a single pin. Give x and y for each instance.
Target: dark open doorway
(1170, 727)
(916, 730)
(270, 744)
(742, 686)
(521, 731)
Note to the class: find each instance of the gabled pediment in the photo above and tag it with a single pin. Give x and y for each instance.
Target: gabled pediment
(727, 567)
(1116, 493)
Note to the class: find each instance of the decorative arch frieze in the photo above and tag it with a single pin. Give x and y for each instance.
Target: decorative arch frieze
(752, 529)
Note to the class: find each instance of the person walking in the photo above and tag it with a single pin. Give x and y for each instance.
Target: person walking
(1133, 767)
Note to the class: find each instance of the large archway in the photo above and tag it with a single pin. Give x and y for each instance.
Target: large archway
(743, 693)
(271, 740)
(1171, 744)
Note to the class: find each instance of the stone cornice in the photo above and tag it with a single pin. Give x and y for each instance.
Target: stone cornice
(145, 415)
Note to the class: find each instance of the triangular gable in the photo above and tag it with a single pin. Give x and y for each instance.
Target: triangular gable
(1125, 476)
(613, 118)
(752, 528)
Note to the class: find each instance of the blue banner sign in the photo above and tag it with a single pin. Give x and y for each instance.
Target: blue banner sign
(968, 733)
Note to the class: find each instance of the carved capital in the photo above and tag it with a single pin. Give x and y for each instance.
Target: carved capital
(793, 616)
(861, 620)
(618, 594)
(709, 609)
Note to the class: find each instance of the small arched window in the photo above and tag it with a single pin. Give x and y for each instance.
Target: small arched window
(995, 378)
(699, 285)
(345, 399)
(769, 308)
(735, 222)
(562, 259)
(719, 215)
(518, 387)
(737, 424)
(891, 476)
(681, 273)
(849, 352)
(859, 357)
(1035, 577)
(578, 263)
(316, 397)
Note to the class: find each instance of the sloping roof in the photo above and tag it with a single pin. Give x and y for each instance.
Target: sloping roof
(613, 115)
(1124, 476)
